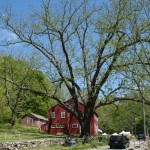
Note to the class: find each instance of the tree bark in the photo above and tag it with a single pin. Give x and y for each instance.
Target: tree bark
(13, 118)
(85, 128)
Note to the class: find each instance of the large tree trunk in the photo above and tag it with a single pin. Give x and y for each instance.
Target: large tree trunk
(85, 128)
(13, 118)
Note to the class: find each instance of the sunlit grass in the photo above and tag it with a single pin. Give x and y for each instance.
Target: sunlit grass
(77, 147)
(22, 133)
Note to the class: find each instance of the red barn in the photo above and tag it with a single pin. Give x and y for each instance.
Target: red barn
(60, 121)
(32, 119)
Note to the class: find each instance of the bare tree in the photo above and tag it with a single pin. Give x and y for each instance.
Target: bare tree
(86, 45)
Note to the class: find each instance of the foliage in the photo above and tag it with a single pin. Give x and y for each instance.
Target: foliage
(5, 110)
(15, 73)
(91, 49)
(127, 116)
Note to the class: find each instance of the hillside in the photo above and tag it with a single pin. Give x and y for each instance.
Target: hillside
(22, 133)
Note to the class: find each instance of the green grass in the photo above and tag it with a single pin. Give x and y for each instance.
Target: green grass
(77, 147)
(22, 133)
(18, 128)
(25, 133)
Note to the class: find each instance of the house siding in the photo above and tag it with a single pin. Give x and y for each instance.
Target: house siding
(31, 121)
(67, 122)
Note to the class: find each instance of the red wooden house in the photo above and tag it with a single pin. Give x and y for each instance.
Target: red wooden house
(32, 119)
(60, 121)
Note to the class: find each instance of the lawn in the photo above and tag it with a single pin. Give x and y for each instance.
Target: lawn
(77, 147)
(22, 133)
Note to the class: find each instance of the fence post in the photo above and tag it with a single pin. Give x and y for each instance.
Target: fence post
(5, 136)
(19, 137)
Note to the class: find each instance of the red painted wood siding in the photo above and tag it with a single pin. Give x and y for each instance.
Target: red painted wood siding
(67, 122)
(94, 125)
(30, 122)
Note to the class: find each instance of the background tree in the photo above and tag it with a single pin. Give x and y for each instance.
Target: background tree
(138, 79)
(94, 43)
(15, 74)
(125, 116)
(4, 111)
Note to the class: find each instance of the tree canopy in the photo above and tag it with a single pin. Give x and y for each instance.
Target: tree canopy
(14, 74)
(88, 46)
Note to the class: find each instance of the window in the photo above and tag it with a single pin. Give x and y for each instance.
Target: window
(52, 114)
(62, 114)
(57, 125)
(52, 126)
(62, 126)
(46, 127)
(28, 120)
(33, 121)
(74, 125)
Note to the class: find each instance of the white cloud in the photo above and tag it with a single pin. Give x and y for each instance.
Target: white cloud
(7, 36)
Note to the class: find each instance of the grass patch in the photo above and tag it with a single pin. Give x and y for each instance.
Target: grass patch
(77, 147)
(26, 133)
(18, 128)
(22, 133)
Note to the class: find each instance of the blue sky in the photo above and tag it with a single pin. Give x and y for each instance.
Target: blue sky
(21, 5)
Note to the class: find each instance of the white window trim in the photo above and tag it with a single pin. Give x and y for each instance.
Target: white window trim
(57, 124)
(63, 115)
(53, 114)
(75, 125)
(53, 126)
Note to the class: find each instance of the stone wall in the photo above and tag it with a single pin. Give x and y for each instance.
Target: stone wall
(28, 144)
(34, 143)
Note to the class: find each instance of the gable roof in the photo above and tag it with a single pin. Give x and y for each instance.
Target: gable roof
(36, 116)
(71, 101)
